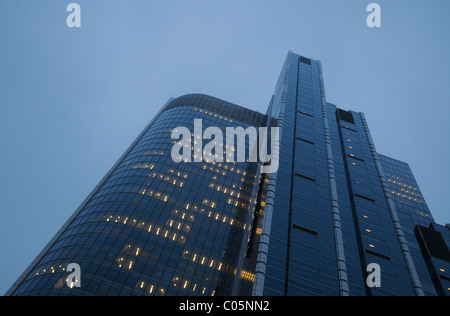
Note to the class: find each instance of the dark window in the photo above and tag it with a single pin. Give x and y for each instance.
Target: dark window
(305, 60)
(304, 229)
(345, 116)
(434, 242)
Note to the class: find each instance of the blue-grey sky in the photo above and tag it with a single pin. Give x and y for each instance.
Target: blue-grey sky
(72, 100)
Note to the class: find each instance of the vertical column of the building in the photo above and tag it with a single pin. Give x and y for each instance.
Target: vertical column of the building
(337, 225)
(374, 229)
(310, 258)
(355, 276)
(276, 114)
(306, 253)
(312, 261)
(391, 206)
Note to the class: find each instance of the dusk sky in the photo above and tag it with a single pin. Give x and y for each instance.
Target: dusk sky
(73, 99)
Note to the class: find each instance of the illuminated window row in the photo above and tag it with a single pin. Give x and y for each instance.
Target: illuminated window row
(205, 261)
(406, 197)
(234, 186)
(197, 153)
(209, 203)
(243, 179)
(248, 276)
(175, 173)
(187, 285)
(236, 203)
(144, 166)
(226, 147)
(402, 184)
(132, 250)
(151, 193)
(422, 214)
(179, 225)
(408, 192)
(221, 188)
(149, 228)
(154, 153)
(178, 174)
(150, 288)
(211, 214)
(183, 215)
(52, 269)
(122, 262)
(170, 179)
(129, 254)
(223, 166)
(177, 282)
(214, 115)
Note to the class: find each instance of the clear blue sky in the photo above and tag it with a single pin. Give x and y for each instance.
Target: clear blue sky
(72, 100)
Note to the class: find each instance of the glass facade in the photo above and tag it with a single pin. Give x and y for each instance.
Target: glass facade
(335, 206)
(416, 219)
(156, 227)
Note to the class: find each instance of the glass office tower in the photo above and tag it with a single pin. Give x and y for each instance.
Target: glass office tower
(153, 226)
(333, 207)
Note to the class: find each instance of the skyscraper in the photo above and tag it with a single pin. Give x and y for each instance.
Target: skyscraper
(334, 206)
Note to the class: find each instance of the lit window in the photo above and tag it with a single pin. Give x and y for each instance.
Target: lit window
(129, 265)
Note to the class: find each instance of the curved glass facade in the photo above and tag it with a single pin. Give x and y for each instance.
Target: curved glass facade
(156, 227)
